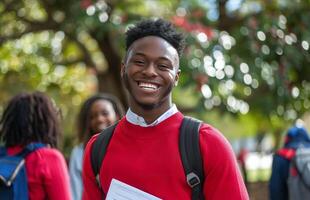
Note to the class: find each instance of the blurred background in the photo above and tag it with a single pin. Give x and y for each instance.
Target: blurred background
(245, 69)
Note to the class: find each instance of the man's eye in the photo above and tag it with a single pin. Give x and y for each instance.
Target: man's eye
(165, 67)
(139, 62)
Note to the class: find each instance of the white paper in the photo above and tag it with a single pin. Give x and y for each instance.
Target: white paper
(122, 191)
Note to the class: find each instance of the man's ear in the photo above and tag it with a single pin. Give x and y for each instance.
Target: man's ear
(176, 81)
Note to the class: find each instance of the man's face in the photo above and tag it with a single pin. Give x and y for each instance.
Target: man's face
(149, 72)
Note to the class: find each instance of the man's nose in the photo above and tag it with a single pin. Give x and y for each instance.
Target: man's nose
(150, 70)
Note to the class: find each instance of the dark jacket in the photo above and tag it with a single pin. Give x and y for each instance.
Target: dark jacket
(296, 137)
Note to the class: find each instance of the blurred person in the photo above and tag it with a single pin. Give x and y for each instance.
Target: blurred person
(144, 149)
(31, 118)
(97, 113)
(279, 186)
(241, 157)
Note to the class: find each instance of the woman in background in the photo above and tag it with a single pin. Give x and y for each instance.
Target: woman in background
(97, 113)
(32, 118)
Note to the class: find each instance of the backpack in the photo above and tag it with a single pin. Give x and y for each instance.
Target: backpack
(189, 150)
(299, 175)
(13, 177)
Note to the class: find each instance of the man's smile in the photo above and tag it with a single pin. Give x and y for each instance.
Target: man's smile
(149, 86)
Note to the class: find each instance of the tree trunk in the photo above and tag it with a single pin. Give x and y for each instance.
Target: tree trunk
(277, 138)
(108, 83)
(110, 80)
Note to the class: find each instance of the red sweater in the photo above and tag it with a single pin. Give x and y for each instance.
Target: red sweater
(47, 174)
(148, 158)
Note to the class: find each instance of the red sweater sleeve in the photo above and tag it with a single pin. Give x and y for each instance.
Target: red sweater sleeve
(57, 178)
(47, 175)
(223, 179)
(91, 190)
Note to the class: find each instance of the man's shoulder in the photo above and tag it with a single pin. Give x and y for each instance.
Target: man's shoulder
(90, 143)
(209, 135)
(206, 128)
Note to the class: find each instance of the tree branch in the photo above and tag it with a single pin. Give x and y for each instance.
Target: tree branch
(9, 7)
(34, 27)
(48, 9)
(29, 22)
(69, 62)
(225, 21)
(87, 57)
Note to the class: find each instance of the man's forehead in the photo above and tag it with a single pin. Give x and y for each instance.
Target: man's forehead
(156, 43)
(152, 39)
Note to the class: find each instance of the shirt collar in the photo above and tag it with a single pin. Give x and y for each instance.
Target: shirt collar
(138, 120)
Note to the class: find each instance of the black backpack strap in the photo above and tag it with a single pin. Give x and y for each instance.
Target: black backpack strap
(99, 149)
(191, 157)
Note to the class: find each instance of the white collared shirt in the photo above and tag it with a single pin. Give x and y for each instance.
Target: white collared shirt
(138, 120)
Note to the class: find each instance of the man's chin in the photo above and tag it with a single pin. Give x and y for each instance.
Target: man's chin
(147, 106)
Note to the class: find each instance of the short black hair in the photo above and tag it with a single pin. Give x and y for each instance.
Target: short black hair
(160, 28)
(83, 121)
(30, 117)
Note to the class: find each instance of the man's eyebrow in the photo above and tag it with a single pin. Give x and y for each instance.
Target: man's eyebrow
(166, 58)
(139, 54)
(142, 54)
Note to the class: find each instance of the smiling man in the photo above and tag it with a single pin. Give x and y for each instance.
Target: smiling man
(144, 150)
(150, 71)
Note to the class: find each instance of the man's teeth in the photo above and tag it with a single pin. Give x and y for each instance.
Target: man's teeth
(148, 86)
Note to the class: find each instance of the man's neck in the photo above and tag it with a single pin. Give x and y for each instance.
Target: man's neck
(150, 115)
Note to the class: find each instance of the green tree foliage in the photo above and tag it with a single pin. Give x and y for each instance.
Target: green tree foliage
(250, 58)
(245, 62)
(25, 66)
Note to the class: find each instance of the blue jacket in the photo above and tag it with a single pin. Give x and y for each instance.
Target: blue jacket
(296, 137)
